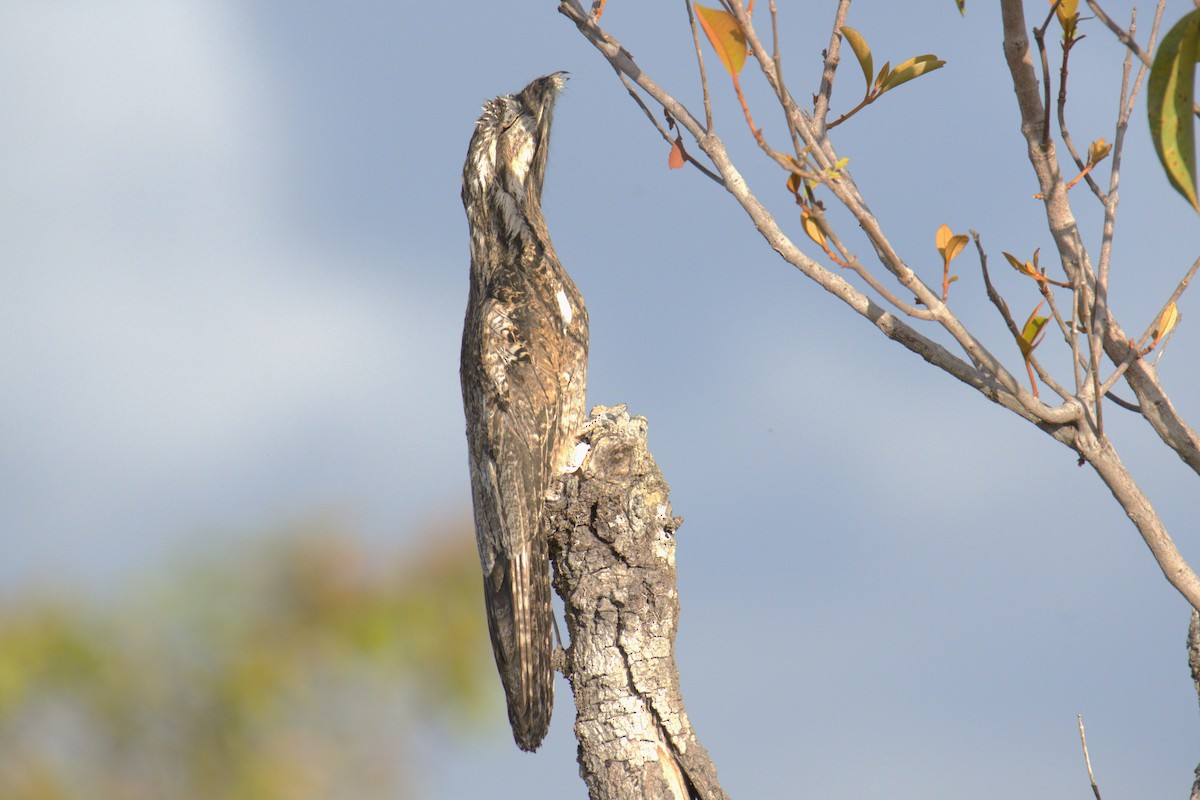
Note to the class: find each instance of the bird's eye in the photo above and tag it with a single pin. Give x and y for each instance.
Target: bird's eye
(509, 125)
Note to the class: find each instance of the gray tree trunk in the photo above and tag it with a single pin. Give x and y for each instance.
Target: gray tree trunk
(613, 548)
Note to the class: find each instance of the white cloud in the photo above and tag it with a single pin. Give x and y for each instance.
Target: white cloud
(172, 347)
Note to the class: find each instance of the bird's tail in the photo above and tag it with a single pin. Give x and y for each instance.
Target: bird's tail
(519, 621)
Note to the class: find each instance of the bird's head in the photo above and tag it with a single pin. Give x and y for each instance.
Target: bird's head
(511, 141)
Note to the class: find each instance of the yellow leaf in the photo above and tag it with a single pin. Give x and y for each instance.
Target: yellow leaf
(1068, 15)
(914, 67)
(956, 246)
(1166, 321)
(861, 51)
(725, 35)
(950, 244)
(812, 228)
(1066, 9)
(942, 237)
(793, 185)
(884, 72)
(1098, 151)
(1024, 267)
(1031, 334)
(1170, 98)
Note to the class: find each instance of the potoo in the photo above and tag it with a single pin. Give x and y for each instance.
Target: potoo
(524, 365)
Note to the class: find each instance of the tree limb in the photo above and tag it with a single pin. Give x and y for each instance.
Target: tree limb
(987, 375)
(1076, 421)
(613, 547)
(1193, 649)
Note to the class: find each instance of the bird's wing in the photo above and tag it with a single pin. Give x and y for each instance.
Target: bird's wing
(516, 427)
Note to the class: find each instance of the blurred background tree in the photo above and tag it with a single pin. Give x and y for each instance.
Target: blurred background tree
(308, 666)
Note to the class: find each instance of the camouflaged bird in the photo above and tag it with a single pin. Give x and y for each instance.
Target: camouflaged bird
(524, 365)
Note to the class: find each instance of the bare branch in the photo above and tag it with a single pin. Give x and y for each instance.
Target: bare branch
(1175, 295)
(821, 107)
(700, 63)
(663, 131)
(1104, 460)
(1156, 406)
(1039, 34)
(1125, 37)
(989, 376)
(777, 57)
(1070, 422)
(1087, 759)
(1084, 169)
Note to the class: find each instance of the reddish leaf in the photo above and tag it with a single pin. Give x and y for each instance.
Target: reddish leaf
(675, 160)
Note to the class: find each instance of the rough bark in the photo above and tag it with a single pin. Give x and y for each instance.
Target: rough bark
(613, 548)
(1193, 648)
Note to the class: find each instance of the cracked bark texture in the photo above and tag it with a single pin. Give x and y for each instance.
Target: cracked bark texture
(1193, 648)
(613, 548)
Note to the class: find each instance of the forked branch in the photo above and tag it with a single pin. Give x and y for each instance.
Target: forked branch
(1076, 421)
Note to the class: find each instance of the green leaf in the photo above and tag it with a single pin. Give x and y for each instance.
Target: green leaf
(1170, 97)
(1031, 334)
(861, 51)
(962, 7)
(912, 68)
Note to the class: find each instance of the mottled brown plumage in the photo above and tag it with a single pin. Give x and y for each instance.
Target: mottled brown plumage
(524, 365)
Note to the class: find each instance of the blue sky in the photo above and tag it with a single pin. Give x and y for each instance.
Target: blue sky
(236, 266)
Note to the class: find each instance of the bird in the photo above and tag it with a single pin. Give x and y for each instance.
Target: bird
(524, 373)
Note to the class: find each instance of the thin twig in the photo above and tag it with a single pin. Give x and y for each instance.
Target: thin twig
(1087, 759)
(1125, 404)
(1048, 293)
(1031, 363)
(847, 193)
(777, 57)
(1123, 36)
(989, 376)
(866, 101)
(1100, 299)
(1039, 35)
(1175, 295)
(851, 261)
(1126, 39)
(992, 294)
(821, 106)
(1069, 41)
(665, 133)
(1125, 110)
(1150, 329)
(700, 61)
